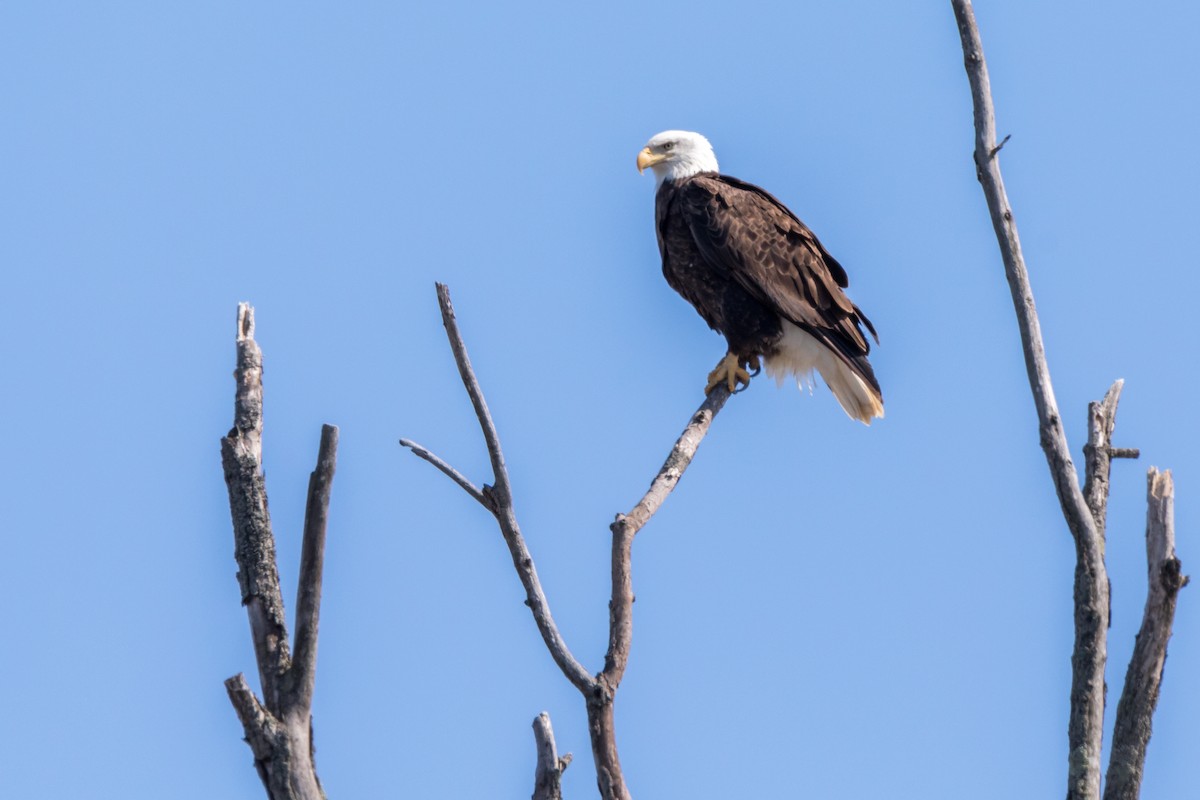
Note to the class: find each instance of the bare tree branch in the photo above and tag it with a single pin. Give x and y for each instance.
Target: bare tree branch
(1098, 454)
(260, 727)
(448, 471)
(547, 782)
(1131, 733)
(499, 469)
(1053, 440)
(241, 456)
(626, 527)
(312, 562)
(1085, 729)
(498, 500)
(278, 730)
(598, 692)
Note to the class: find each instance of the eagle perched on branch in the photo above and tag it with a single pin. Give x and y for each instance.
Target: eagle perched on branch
(758, 275)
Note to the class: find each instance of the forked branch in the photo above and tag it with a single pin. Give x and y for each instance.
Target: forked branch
(1084, 509)
(279, 729)
(626, 527)
(599, 691)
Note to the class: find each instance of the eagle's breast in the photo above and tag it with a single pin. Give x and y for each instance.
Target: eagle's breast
(750, 326)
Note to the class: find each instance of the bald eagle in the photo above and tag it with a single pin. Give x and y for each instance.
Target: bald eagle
(758, 275)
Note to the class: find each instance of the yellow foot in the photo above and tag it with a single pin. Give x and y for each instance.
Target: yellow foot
(731, 372)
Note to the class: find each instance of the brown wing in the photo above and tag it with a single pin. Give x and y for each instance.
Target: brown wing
(777, 259)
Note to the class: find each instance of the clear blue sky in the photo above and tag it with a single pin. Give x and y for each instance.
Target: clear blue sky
(824, 610)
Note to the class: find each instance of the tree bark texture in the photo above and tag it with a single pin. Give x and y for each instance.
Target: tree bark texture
(278, 729)
(1131, 732)
(599, 692)
(547, 778)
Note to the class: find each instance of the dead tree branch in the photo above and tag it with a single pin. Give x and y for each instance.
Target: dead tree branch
(547, 781)
(1131, 733)
(599, 691)
(279, 729)
(626, 527)
(1085, 730)
(1084, 509)
(1098, 455)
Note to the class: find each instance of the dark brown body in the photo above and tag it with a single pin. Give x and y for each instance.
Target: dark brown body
(746, 263)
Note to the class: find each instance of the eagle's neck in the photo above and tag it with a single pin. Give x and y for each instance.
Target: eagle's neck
(685, 165)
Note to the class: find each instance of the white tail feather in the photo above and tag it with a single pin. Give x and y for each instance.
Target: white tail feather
(800, 353)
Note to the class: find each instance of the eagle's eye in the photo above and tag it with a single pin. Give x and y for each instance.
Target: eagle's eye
(668, 146)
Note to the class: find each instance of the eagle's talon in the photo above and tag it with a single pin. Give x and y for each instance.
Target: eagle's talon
(754, 366)
(730, 372)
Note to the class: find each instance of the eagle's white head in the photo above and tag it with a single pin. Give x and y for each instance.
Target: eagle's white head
(677, 154)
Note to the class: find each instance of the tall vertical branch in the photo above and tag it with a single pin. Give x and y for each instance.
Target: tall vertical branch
(278, 729)
(599, 692)
(1085, 509)
(987, 163)
(241, 457)
(1085, 729)
(312, 564)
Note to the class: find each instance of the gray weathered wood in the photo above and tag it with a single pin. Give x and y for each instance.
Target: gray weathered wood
(302, 677)
(1098, 455)
(1085, 509)
(599, 692)
(1143, 679)
(627, 526)
(547, 779)
(497, 498)
(1085, 727)
(278, 729)
(241, 457)
(448, 471)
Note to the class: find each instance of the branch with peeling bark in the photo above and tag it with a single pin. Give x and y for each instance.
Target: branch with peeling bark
(278, 729)
(600, 691)
(1085, 508)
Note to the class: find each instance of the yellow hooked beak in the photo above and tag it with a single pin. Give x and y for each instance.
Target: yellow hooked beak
(649, 159)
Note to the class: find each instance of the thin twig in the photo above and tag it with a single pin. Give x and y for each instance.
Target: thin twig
(499, 469)
(449, 471)
(1000, 146)
(1085, 730)
(1143, 679)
